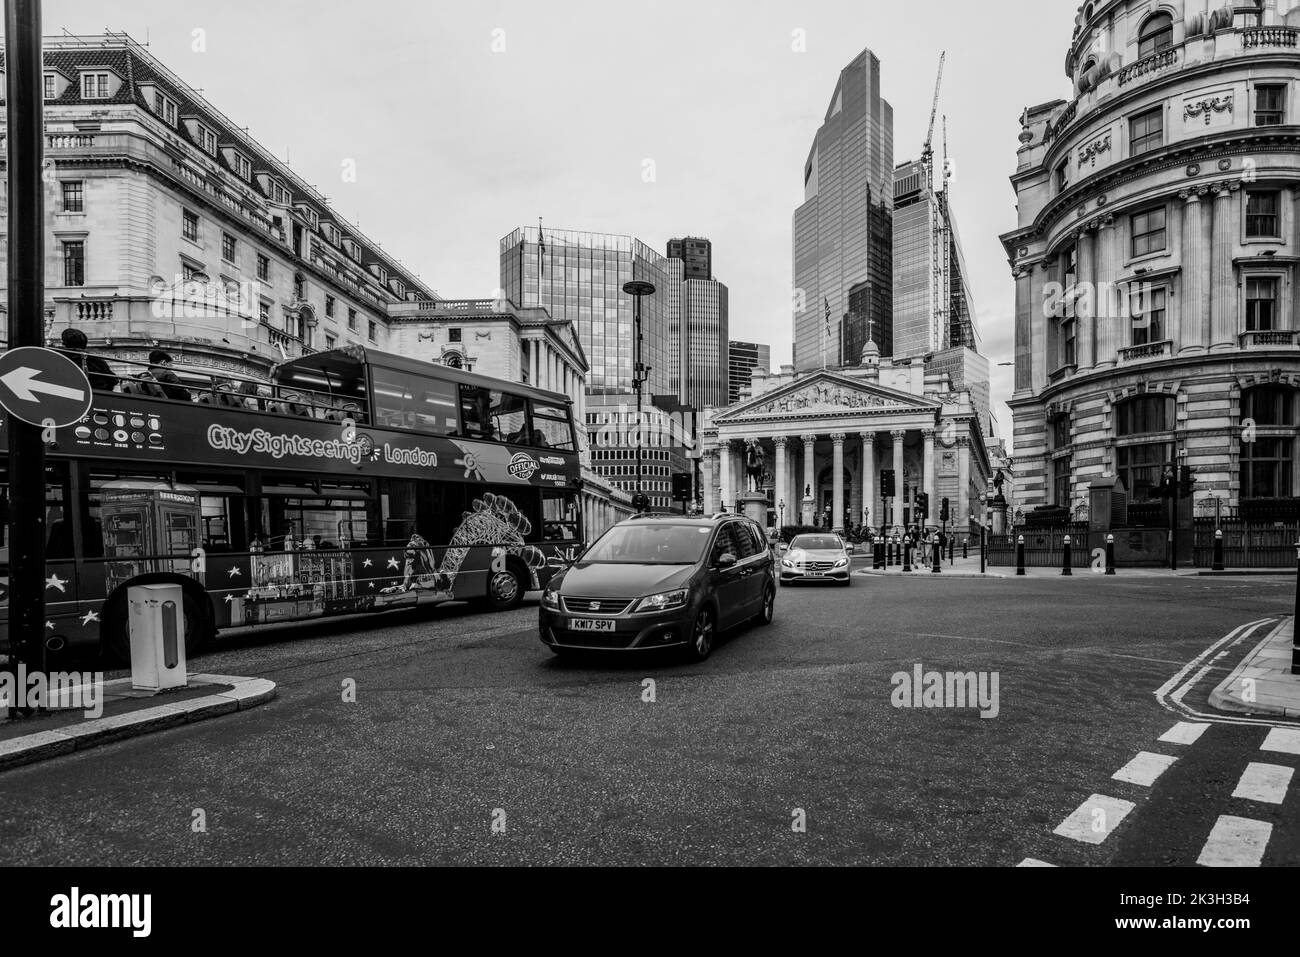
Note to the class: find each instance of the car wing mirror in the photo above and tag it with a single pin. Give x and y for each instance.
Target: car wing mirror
(726, 560)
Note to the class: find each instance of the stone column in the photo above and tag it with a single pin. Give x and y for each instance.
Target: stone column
(1295, 274)
(1223, 285)
(806, 499)
(961, 508)
(869, 477)
(781, 476)
(837, 481)
(1185, 331)
(1106, 326)
(927, 467)
(739, 483)
(726, 491)
(855, 493)
(1086, 309)
(896, 515)
(707, 461)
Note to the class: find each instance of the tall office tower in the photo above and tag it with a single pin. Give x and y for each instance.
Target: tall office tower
(697, 253)
(843, 232)
(579, 276)
(744, 357)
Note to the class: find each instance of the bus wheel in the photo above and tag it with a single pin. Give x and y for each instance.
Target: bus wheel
(117, 629)
(505, 590)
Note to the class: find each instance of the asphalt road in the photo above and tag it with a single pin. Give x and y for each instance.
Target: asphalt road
(468, 743)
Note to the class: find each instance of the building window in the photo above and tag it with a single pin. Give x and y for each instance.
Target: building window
(228, 247)
(1146, 131)
(207, 140)
(1156, 36)
(1270, 105)
(1262, 215)
(1148, 315)
(94, 86)
(372, 330)
(330, 342)
(1062, 176)
(1069, 342)
(1141, 468)
(189, 271)
(243, 168)
(264, 313)
(1266, 465)
(74, 263)
(299, 287)
(263, 268)
(165, 108)
(51, 86)
(329, 307)
(1070, 267)
(352, 320)
(1148, 230)
(190, 226)
(453, 334)
(73, 197)
(1061, 481)
(1269, 405)
(1144, 415)
(1261, 303)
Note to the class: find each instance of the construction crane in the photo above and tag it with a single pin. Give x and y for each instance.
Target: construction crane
(927, 153)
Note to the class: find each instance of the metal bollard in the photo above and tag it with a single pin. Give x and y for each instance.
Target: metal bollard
(1218, 551)
(907, 554)
(1110, 554)
(1020, 554)
(1065, 563)
(938, 555)
(877, 555)
(965, 547)
(1295, 636)
(952, 545)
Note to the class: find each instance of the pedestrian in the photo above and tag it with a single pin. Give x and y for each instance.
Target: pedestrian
(97, 370)
(160, 366)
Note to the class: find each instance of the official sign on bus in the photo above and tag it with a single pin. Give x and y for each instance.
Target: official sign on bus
(42, 387)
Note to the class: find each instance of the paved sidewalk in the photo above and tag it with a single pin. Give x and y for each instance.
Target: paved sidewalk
(970, 568)
(1263, 683)
(66, 726)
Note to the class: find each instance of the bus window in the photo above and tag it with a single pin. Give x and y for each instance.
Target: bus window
(551, 427)
(559, 516)
(434, 406)
(476, 412)
(325, 516)
(393, 400)
(510, 418)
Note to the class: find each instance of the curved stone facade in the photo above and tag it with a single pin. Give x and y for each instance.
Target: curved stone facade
(1157, 256)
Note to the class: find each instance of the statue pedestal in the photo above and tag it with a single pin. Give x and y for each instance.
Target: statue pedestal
(754, 505)
(807, 516)
(998, 509)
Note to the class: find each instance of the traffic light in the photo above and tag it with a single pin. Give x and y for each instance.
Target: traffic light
(922, 506)
(887, 483)
(944, 512)
(640, 502)
(1186, 481)
(681, 486)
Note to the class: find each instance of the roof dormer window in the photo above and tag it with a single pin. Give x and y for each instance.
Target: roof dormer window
(207, 139)
(51, 86)
(95, 85)
(243, 168)
(165, 107)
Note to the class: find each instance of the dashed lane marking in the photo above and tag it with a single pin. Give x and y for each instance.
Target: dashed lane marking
(1184, 732)
(1235, 842)
(1095, 819)
(1266, 783)
(1144, 769)
(1284, 740)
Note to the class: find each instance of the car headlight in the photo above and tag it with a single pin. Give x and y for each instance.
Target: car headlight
(787, 563)
(663, 601)
(841, 563)
(551, 600)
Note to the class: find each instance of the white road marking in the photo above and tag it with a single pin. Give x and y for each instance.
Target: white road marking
(1264, 782)
(1034, 862)
(1285, 740)
(1144, 769)
(1184, 732)
(1095, 819)
(1235, 842)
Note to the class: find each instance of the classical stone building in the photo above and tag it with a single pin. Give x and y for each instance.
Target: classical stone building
(1156, 258)
(168, 226)
(827, 436)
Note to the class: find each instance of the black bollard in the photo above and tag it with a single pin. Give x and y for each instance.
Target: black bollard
(1295, 636)
(938, 556)
(907, 554)
(877, 560)
(1065, 561)
(1110, 554)
(1020, 554)
(952, 545)
(1218, 550)
(965, 547)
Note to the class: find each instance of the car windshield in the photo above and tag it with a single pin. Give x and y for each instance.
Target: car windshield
(814, 543)
(650, 545)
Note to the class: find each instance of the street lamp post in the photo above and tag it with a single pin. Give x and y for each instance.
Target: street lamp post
(637, 289)
(781, 509)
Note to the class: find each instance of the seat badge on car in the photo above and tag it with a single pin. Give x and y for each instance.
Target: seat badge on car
(593, 606)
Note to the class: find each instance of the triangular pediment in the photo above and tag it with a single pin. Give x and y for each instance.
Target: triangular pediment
(826, 393)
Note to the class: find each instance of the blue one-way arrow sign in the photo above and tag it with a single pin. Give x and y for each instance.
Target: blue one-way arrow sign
(42, 387)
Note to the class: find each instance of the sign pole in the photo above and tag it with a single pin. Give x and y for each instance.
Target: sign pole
(25, 96)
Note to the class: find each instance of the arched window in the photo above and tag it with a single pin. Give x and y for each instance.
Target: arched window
(1156, 36)
(454, 360)
(1269, 405)
(1142, 464)
(1268, 439)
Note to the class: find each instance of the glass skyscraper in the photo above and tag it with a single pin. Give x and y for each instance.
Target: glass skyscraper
(745, 357)
(843, 231)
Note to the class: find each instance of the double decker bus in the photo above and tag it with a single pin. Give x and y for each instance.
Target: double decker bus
(353, 482)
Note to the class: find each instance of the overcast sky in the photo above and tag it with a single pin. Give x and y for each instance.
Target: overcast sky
(456, 143)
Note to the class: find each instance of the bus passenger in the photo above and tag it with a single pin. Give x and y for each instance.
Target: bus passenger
(97, 370)
(160, 367)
